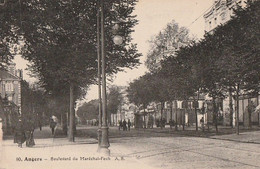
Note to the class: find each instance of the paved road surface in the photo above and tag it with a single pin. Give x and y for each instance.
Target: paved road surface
(191, 152)
(139, 149)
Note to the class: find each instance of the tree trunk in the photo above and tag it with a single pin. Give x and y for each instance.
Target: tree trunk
(208, 120)
(183, 115)
(196, 118)
(237, 112)
(162, 104)
(215, 114)
(183, 119)
(154, 121)
(176, 115)
(231, 107)
(196, 113)
(61, 119)
(65, 124)
(249, 110)
(257, 103)
(171, 115)
(116, 119)
(144, 118)
(72, 114)
(109, 118)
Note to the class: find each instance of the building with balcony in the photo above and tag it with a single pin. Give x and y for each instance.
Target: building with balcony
(221, 12)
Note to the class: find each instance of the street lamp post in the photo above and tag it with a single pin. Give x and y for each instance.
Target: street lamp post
(104, 128)
(99, 79)
(118, 40)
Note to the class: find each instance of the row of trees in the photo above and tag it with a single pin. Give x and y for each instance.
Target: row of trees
(224, 63)
(40, 106)
(59, 39)
(115, 101)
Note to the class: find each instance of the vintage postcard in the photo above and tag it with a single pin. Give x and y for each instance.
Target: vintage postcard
(123, 84)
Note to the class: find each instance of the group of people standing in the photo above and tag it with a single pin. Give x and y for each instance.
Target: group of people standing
(125, 125)
(24, 129)
(24, 133)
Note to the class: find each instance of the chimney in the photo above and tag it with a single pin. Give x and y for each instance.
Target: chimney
(20, 73)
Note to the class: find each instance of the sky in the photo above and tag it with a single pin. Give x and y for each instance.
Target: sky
(153, 16)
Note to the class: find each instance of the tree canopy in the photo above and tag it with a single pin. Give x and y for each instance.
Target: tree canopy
(166, 43)
(59, 39)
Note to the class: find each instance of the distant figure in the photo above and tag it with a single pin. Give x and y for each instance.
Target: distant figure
(39, 121)
(29, 129)
(40, 125)
(19, 136)
(120, 125)
(129, 124)
(52, 126)
(124, 125)
(172, 123)
(202, 123)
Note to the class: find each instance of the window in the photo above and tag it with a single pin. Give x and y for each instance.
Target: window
(9, 86)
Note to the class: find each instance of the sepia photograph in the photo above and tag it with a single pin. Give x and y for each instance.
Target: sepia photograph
(129, 84)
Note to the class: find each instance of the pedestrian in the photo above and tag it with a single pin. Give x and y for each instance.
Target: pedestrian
(29, 129)
(52, 126)
(202, 123)
(120, 125)
(40, 124)
(129, 124)
(172, 123)
(19, 136)
(124, 125)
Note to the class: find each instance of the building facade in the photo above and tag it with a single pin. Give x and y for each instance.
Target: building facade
(220, 13)
(10, 92)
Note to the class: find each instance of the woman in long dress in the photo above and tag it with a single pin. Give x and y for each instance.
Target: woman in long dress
(19, 136)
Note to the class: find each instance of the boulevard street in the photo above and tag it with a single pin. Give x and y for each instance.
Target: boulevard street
(184, 73)
(150, 148)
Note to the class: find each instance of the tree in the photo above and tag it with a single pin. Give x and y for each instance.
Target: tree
(140, 93)
(8, 37)
(34, 104)
(239, 61)
(166, 43)
(88, 111)
(162, 46)
(225, 61)
(160, 94)
(115, 100)
(177, 71)
(60, 42)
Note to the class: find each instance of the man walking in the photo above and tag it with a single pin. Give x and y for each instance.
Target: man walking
(124, 125)
(202, 123)
(52, 126)
(120, 125)
(129, 124)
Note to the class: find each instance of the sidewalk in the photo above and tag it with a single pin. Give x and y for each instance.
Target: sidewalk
(58, 153)
(225, 133)
(246, 137)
